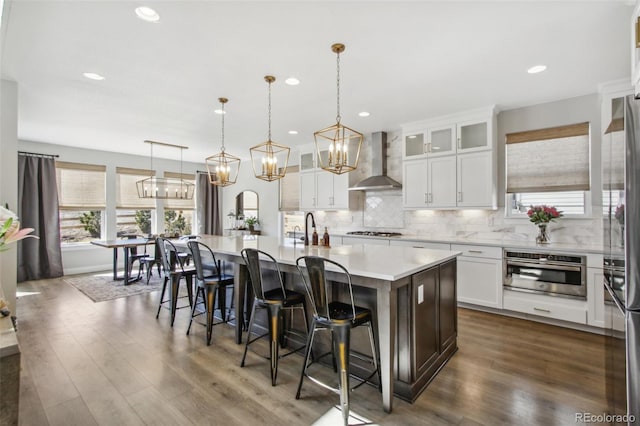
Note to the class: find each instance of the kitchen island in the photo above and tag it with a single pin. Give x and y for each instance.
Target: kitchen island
(412, 293)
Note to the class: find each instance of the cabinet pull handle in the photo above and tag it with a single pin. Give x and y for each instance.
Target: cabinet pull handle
(429, 146)
(426, 198)
(417, 246)
(459, 195)
(314, 201)
(425, 148)
(459, 143)
(430, 198)
(541, 310)
(474, 251)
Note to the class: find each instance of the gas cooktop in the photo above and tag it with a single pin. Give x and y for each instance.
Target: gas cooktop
(375, 233)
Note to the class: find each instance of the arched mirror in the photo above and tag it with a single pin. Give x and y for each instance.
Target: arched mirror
(246, 205)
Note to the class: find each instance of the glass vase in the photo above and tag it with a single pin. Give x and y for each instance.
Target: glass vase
(543, 234)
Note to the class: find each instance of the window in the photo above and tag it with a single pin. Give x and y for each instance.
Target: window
(81, 199)
(179, 214)
(548, 166)
(134, 215)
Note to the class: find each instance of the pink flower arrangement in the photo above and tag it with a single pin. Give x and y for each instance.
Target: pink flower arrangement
(543, 214)
(10, 231)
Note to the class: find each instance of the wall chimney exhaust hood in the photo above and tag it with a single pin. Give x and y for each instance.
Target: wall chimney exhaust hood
(379, 179)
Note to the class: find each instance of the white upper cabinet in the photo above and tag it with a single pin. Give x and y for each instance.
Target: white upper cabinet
(476, 184)
(319, 189)
(474, 136)
(450, 161)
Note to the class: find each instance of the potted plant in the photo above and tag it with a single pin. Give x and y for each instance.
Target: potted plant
(251, 222)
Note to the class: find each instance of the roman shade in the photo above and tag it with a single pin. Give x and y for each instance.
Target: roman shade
(290, 190)
(126, 191)
(81, 186)
(180, 204)
(552, 159)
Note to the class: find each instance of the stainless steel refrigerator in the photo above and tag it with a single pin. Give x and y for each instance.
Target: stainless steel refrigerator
(621, 199)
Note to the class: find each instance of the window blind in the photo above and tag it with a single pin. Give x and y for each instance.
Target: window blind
(174, 204)
(126, 191)
(81, 186)
(544, 160)
(290, 190)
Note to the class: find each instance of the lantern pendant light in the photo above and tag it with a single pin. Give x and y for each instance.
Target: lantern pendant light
(222, 167)
(338, 146)
(269, 158)
(166, 188)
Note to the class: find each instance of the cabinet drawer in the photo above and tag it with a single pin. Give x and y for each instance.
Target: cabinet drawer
(545, 306)
(421, 244)
(478, 251)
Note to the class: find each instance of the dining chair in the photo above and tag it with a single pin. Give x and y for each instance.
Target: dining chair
(148, 262)
(271, 295)
(173, 272)
(209, 284)
(135, 255)
(338, 318)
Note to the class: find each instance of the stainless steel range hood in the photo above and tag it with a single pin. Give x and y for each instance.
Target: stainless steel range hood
(379, 179)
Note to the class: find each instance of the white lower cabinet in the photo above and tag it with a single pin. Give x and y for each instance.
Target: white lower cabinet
(546, 306)
(366, 240)
(421, 244)
(479, 275)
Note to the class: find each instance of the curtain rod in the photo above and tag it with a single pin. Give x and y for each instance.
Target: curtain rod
(36, 154)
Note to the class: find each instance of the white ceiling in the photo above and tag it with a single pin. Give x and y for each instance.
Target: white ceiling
(404, 61)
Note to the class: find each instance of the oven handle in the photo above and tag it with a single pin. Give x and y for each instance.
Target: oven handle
(614, 296)
(545, 266)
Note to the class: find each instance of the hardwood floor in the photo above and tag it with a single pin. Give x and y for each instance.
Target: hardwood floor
(113, 363)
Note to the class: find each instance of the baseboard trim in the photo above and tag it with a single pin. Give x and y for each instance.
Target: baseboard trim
(88, 269)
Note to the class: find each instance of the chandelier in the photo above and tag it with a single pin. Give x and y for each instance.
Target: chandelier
(165, 188)
(269, 159)
(338, 146)
(222, 167)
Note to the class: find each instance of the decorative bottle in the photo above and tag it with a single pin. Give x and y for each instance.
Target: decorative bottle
(314, 238)
(325, 237)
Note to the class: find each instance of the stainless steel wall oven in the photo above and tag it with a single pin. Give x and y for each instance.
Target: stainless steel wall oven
(554, 274)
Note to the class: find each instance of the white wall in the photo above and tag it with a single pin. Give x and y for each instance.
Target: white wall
(486, 224)
(85, 257)
(9, 181)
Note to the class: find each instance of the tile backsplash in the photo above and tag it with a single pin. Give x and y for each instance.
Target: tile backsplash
(383, 209)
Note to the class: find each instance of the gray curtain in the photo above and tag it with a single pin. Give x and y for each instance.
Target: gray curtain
(38, 209)
(208, 208)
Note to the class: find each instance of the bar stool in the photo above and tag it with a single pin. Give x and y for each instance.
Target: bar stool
(173, 271)
(273, 297)
(338, 318)
(207, 287)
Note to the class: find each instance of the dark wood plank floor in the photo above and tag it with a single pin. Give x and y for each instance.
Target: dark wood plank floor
(113, 363)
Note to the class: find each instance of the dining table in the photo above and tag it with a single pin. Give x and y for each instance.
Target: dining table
(125, 244)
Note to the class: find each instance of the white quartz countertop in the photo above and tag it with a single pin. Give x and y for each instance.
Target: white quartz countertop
(389, 263)
(505, 243)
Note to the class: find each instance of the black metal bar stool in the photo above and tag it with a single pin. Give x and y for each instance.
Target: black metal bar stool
(271, 295)
(338, 318)
(173, 271)
(208, 284)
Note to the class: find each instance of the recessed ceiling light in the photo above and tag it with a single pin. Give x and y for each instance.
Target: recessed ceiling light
(147, 14)
(219, 111)
(364, 114)
(93, 76)
(292, 81)
(293, 132)
(536, 69)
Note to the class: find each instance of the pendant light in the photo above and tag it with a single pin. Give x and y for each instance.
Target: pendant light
(162, 187)
(269, 159)
(338, 146)
(222, 167)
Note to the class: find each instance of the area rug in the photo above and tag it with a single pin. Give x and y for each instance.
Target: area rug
(101, 287)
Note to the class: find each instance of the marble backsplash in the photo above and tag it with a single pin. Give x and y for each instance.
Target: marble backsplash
(386, 213)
